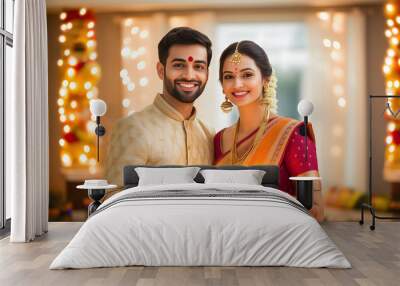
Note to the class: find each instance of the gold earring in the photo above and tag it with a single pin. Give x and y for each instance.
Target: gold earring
(226, 106)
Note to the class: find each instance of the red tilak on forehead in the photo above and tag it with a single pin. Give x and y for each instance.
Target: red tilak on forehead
(190, 59)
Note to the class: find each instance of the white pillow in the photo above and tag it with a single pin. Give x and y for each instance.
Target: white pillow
(163, 176)
(248, 177)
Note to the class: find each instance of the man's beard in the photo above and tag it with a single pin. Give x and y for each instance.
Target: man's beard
(186, 97)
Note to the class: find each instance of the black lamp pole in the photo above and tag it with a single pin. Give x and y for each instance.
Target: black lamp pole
(100, 131)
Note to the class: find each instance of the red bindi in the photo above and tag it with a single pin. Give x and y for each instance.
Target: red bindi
(190, 59)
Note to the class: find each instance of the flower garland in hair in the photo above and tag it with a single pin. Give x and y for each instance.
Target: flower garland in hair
(269, 93)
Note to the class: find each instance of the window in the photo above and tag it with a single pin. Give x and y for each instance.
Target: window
(6, 44)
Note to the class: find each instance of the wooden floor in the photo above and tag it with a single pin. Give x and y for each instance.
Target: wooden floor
(375, 257)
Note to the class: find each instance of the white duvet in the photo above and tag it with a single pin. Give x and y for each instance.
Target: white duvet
(190, 230)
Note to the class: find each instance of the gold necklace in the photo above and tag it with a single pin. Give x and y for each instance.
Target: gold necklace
(234, 157)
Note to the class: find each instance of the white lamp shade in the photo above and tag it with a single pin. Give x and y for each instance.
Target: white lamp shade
(98, 107)
(305, 107)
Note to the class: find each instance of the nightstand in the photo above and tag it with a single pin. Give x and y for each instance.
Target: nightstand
(304, 190)
(96, 190)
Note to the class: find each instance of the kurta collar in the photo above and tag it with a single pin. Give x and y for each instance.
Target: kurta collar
(170, 111)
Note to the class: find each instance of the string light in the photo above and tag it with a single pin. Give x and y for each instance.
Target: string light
(391, 127)
(324, 16)
(71, 72)
(63, 92)
(76, 87)
(61, 110)
(83, 158)
(341, 102)
(128, 22)
(135, 30)
(336, 45)
(63, 16)
(93, 56)
(141, 65)
(72, 85)
(131, 86)
(123, 73)
(62, 39)
(144, 81)
(91, 44)
(94, 70)
(67, 128)
(391, 70)
(88, 85)
(389, 8)
(72, 61)
(66, 159)
(82, 11)
(126, 102)
(125, 52)
(144, 34)
(89, 94)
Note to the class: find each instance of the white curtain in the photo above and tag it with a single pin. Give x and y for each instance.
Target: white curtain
(27, 124)
(335, 82)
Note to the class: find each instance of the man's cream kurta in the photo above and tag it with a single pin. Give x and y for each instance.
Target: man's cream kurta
(158, 135)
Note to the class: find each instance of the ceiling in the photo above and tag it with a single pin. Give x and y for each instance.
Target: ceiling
(146, 5)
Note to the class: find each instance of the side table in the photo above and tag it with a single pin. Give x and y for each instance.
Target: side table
(96, 190)
(304, 190)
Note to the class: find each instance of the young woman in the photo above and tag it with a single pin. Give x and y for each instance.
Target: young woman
(261, 137)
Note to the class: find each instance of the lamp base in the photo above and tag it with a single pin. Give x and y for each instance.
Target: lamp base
(96, 195)
(304, 193)
(304, 190)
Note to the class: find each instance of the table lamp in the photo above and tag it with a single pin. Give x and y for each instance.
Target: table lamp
(98, 108)
(304, 185)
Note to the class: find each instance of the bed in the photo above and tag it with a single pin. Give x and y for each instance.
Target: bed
(201, 224)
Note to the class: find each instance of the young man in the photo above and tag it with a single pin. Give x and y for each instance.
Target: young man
(168, 132)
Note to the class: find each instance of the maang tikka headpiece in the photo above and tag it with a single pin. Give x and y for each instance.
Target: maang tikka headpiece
(236, 55)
